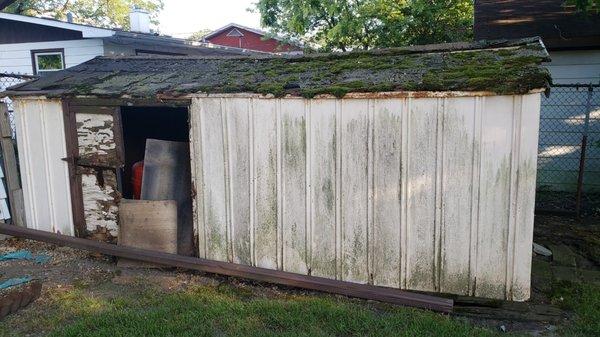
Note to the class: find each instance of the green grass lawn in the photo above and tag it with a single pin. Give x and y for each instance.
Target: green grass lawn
(584, 301)
(233, 310)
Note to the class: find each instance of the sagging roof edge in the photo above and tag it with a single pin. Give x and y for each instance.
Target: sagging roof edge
(186, 97)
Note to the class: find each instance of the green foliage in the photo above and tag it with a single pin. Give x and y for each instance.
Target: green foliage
(103, 13)
(197, 36)
(345, 25)
(585, 6)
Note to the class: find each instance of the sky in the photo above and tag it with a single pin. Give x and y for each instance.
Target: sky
(180, 18)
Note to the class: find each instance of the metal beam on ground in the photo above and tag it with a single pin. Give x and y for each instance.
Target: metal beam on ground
(364, 291)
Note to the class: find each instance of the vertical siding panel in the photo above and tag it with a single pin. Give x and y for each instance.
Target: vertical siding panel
(514, 163)
(494, 196)
(239, 183)
(526, 174)
(338, 189)
(58, 170)
(475, 183)
(387, 152)
(323, 186)
(22, 127)
(36, 154)
(355, 190)
(45, 178)
(197, 169)
(213, 159)
(293, 178)
(404, 161)
(421, 179)
(265, 169)
(457, 175)
(423, 194)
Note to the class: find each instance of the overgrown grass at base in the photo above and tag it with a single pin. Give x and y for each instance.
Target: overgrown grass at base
(584, 301)
(232, 311)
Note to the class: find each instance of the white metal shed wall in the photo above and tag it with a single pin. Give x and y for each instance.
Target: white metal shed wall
(44, 175)
(433, 194)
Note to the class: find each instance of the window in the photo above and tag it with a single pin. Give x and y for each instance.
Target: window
(235, 33)
(45, 61)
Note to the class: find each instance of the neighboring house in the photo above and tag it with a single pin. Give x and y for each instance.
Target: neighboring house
(31, 45)
(570, 115)
(572, 39)
(238, 36)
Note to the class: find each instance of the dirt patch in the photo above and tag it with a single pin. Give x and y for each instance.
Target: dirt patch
(71, 273)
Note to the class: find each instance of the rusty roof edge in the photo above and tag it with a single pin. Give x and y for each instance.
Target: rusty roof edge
(350, 95)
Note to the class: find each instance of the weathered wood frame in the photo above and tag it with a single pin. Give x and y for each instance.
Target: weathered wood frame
(72, 106)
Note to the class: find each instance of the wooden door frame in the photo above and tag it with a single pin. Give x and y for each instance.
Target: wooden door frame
(70, 106)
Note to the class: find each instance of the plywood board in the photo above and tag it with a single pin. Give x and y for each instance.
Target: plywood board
(167, 177)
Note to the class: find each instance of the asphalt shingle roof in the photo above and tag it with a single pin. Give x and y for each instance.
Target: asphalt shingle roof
(502, 67)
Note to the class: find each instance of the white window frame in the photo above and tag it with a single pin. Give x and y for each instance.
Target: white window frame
(36, 53)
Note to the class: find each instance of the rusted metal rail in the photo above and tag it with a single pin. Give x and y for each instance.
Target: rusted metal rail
(365, 291)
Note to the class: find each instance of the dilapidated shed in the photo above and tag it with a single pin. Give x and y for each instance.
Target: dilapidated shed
(411, 168)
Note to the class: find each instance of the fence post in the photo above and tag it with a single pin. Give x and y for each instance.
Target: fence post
(15, 193)
(588, 107)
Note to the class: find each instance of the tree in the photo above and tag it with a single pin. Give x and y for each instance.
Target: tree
(585, 6)
(197, 36)
(351, 24)
(103, 13)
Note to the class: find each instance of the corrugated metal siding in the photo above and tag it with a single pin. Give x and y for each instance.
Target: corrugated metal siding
(44, 175)
(430, 194)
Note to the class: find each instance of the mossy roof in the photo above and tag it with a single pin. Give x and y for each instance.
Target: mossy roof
(502, 67)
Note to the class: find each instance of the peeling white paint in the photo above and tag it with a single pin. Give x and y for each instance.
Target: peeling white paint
(99, 205)
(95, 134)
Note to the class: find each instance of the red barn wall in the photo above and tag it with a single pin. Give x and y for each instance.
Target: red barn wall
(251, 41)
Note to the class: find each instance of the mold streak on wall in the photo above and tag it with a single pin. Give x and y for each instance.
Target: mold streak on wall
(433, 194)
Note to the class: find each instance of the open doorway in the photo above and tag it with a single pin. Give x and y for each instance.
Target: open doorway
(157, 140)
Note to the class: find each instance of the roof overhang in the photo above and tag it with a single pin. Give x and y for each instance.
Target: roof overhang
(6, 3)
(86, 31)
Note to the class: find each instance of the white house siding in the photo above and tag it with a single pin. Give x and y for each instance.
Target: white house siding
(433, 194)
(45, 177)
(16, 58)
(575, 66)
(563, 115)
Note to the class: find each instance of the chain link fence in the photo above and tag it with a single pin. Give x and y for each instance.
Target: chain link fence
(8, 80)
(568, 176)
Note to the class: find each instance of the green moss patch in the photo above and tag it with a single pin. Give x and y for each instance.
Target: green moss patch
(509, 68)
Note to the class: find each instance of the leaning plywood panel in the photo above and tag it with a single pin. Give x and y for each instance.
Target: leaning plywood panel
(149, 224)
(45, 177)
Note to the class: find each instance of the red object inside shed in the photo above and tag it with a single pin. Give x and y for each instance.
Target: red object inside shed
(137, 171)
